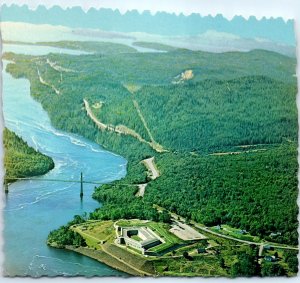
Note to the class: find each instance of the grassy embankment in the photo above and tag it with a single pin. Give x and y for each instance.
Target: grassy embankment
(217, 259)
(100, 237)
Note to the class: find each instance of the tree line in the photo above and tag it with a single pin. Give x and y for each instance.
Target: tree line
(21, 160)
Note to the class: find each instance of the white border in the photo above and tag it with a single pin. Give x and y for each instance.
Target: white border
(229, 8)
(287, 9)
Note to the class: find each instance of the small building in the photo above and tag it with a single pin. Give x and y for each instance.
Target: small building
(201, 250)
(268, 248)
(270, 258)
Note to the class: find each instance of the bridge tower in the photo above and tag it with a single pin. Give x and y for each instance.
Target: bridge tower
(81, 186)
(6, 187)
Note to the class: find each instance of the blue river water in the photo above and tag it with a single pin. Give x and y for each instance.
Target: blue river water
(33, 208)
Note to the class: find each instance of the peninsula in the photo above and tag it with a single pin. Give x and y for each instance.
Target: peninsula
(22, 161)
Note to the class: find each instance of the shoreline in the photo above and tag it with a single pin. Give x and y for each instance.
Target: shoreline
(104, 258)
(98, 255)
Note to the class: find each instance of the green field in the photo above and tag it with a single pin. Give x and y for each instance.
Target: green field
(236, 233)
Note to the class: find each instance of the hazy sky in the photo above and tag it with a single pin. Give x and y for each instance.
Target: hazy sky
(259, 8)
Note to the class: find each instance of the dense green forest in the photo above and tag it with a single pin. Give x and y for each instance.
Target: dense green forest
(21, 160)
(63, 236)
(234, 102)
(212, 113)
(246, 190)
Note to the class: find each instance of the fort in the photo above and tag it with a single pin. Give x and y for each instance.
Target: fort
(139, 238)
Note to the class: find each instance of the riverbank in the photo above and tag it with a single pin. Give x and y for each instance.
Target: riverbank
(29, 202)
(105, 258)
(22, 161)
(196, 254)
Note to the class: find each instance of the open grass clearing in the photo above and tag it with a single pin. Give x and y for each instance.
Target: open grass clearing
(96, 231)
(236, 233)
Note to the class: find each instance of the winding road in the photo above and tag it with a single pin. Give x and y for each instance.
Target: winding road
(119, 129)
(149, 163)
(154, 174)
(261, 244)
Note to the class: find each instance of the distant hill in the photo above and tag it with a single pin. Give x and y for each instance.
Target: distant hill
(161, 23)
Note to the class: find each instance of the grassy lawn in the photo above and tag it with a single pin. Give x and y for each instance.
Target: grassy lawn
(133, 250)
(162, 230)
(96, 231)
(90, 241)
(101, 230)
(130, 223)
(136, 238)
(236, 233)
(161, 247)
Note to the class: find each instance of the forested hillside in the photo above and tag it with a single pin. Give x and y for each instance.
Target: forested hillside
(21, 160)
(226, 123)
(211, 114)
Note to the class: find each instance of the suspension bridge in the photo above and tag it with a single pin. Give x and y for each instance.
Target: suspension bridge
(41, 179)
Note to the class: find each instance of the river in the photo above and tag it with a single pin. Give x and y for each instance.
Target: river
(33, 208)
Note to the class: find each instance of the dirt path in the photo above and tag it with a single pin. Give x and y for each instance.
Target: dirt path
(137, 107)
(142, 188)
(42, 81)
(149, 163)
(238, 152)
(153, 174)
(119, 129)
(205, 229)
(261, 249)
(244, 241)
(58, 68)
(154, 144)
(105, 248)
(90, 113)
